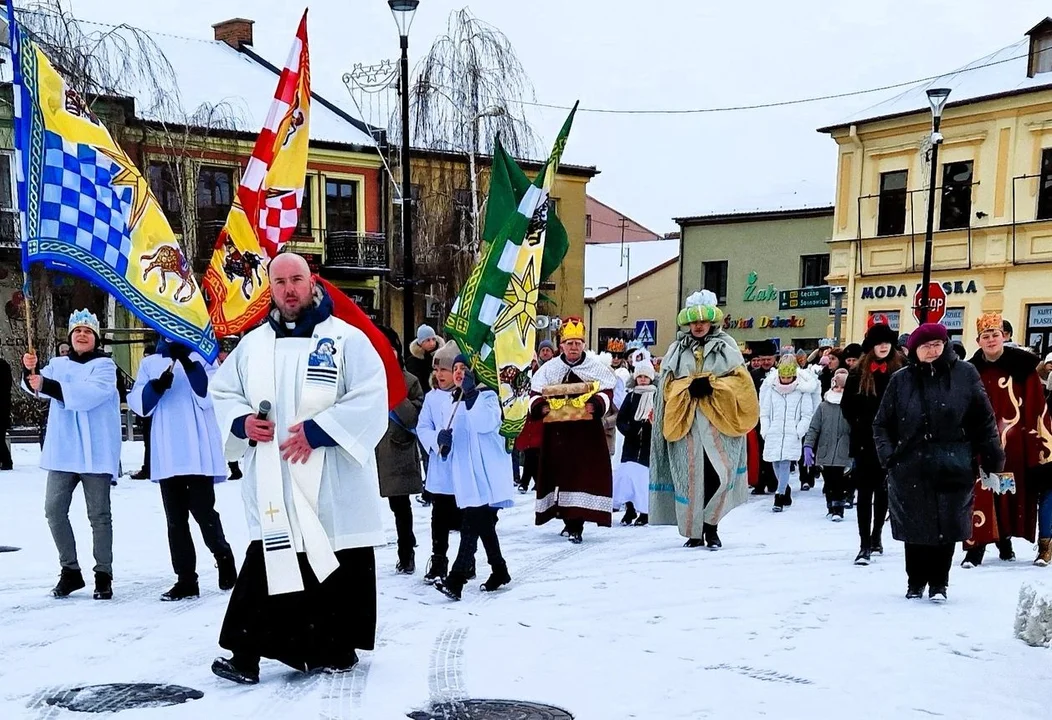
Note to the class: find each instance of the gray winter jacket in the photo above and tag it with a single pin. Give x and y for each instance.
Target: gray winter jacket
(829, 435)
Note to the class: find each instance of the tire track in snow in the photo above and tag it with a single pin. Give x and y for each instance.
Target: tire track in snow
(446, 673)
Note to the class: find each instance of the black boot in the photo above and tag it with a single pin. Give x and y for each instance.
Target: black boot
(576, 537)
(69, 581)
(643, 519)
(227, 572)
(779, 502)
(758, 490)
(235, 471)
(237, 669)
(974, 557)
(452, 585)
(836, 513)
(913, 592)
(875, 545)
(406, 562)
(437, 567)
(788, 496)
(863, 557)
(103, 586)
(182, 590)
(711, 537)
(1005, 551)
(694, 543)
(498, 576)
(630, 514)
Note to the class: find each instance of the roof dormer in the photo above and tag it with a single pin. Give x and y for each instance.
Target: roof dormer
(1040, 58)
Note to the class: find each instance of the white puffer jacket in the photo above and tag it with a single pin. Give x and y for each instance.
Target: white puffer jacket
(785, 417)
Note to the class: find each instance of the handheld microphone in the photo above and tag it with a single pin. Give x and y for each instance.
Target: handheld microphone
(261, 414)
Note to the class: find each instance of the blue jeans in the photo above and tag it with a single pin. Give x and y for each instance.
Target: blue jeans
(1044, 514)
(781, 471)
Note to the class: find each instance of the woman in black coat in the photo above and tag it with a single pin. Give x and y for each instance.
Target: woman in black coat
(933, 423)
(862, 395)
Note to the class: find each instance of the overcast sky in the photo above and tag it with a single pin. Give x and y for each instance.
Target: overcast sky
(658, 54)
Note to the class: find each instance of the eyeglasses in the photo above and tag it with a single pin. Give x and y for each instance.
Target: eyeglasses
(933, 345)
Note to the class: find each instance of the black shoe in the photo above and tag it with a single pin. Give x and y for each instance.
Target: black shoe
(643, 519)
(452, 586)
(523, 488)
(498, 576)
(69, 581)
(788, 496)
(424, 499)
(875, 545)
(849, 501)
(974, 557)
(565, 532)
(863, 557)
(1005, 551)
(103, 586)
(630, 514)
(235, 471)
(227, 572)
(182, 591)
(779, 502)
(576, 537)
(143, 474)
(937, 594)
(7, 466)
(804, 487)
(694, 543)
(913, 592)
(437, 567)
(837, 511)
(758, 490)
(227, 670)
(711, 537)
(406, 563)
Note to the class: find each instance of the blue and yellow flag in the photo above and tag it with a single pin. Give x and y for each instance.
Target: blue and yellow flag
(87, 210)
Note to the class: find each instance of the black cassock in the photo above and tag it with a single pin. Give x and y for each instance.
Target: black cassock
(319, 627)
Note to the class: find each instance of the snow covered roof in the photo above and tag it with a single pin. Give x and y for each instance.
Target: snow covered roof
(604, 268)
(1000, 73)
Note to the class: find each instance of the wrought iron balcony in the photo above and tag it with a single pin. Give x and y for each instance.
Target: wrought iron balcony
(10, 230)
(345, 250)
(207, 234)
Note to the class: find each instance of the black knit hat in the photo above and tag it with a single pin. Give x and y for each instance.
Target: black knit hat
(854, 350)
(879, 333)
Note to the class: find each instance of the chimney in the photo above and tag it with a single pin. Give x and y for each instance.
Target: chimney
(235, 33)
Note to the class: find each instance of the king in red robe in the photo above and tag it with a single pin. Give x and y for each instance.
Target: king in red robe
(1010, 377)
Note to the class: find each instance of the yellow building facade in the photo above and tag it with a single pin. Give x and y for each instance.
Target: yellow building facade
(992, 241)
(648, 296)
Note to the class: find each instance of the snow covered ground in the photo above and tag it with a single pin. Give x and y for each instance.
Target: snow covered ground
(627, 625)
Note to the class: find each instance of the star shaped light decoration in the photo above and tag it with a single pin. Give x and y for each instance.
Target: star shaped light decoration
(128, 175)
(521, 303)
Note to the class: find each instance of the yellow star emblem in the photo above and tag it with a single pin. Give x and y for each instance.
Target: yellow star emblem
(521, 298)
(128, 175)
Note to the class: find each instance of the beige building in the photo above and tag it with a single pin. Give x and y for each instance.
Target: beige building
(651, 295)
(992, 248)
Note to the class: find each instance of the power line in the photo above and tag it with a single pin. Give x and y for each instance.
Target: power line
(782, 103)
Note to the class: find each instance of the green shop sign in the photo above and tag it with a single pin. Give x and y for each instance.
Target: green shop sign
(757, 294)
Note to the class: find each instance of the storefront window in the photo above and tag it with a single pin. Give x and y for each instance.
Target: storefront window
(953, 321)
(1039, 328)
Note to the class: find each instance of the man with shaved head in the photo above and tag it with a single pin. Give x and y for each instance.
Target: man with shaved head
(303, 398)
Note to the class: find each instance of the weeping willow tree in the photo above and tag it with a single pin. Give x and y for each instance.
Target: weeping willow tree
(468, 90)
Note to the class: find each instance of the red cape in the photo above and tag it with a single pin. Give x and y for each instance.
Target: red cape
(347, 310)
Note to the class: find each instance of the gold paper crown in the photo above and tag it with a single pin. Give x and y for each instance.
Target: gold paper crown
(989, 321)
(615, 345)
(573, 329)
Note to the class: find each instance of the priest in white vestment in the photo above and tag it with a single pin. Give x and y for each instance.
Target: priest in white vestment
(306, 594)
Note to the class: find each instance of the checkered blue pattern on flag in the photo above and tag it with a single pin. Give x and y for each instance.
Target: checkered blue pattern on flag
(86, 209)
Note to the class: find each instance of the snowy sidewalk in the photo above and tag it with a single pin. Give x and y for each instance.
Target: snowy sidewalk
(628, 625)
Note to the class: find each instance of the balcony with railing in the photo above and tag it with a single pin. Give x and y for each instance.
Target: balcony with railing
(207, 234)
(10, 232)
(356, 253)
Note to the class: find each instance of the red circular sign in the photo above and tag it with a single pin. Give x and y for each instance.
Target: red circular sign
(936, 303)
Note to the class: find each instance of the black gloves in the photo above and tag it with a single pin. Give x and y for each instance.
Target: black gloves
(445, 442)
(700, 387)
(163, 383)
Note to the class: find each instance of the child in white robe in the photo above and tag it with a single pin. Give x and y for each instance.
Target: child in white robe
(634, 422)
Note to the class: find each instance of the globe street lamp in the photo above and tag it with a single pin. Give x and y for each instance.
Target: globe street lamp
(937, 99)
(403, 11)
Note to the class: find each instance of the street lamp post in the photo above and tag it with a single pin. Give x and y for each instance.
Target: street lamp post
(937, 99)
(403, 11)
(493, 111)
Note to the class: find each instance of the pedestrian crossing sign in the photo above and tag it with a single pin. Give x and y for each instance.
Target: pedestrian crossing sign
(646, 332)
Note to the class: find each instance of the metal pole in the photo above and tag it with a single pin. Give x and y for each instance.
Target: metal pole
(930, 229)
(474, 197)
(408, 282)
(838, 308)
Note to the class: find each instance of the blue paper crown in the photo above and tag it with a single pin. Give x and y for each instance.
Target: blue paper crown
(84, 318)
